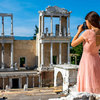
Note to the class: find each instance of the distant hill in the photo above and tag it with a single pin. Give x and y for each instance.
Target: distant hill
(23, 38)
(28, 38)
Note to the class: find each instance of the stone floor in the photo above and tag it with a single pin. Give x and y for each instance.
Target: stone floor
(74, 95)
(47, 94)
(31, 94)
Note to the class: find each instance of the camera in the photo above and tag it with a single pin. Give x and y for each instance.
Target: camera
(84, 26)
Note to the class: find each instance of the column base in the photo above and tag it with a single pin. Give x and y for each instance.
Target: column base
(39, 69)
(65, 34)
(68, 62)
(60, 34)
(51, 65)
(2, 66)
(51, 34)
(59, 63)
(11, 67)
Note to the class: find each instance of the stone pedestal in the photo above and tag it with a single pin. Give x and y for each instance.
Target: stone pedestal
(69, 74)
(25, 87)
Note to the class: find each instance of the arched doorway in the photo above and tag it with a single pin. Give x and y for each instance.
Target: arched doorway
(59, 80)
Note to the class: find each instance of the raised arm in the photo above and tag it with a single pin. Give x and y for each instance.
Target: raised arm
(77, 40)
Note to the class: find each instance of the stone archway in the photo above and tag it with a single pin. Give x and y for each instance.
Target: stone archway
(59, 79)
(65, 75)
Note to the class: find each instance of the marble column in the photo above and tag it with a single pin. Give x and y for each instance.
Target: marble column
(33, 81)
(60, 33)
(2, 26)
(10, 83)
(42, 54)
(20, 82)
(3, 83)
(51, 26)
(2, 56)
(60, 53)
(68, 25)
(11, 55)
(39, 25)
(12, 25)
(42, 26)
(68, 52)
(51, 54)
(27, 81)
(40, 81)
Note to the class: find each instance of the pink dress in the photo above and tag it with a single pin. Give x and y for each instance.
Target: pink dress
(88, 78)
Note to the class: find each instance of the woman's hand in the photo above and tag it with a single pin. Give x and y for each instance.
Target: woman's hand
(80, 29)
(77, 40)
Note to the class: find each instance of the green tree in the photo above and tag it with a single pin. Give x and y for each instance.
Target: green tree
(36, 32)
(77, 50)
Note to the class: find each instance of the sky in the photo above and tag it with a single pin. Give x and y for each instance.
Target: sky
(26, 16)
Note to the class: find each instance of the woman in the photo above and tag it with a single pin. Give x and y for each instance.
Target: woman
(88, 78)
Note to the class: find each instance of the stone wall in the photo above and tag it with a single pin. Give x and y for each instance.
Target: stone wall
(27, 49)
(7, 55)
(48, 78)
(55, 53)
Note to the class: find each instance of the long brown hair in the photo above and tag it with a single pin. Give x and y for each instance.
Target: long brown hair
(93, 18)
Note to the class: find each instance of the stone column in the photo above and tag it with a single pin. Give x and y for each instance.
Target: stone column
(39, 25)
(42, 26)
(51, 26)
(27, 81)
(60, 33)
(42, 54)
(51, 54)
(2, 56)
(10, 83)
(68, 52)
(66, 28)
(20, 82)
(3, 83)
(33, 81)
(65, 31)
(11, 55)
(12, 25)
(68, 25)
(60, 53)
(40, 84)
(2, 26)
